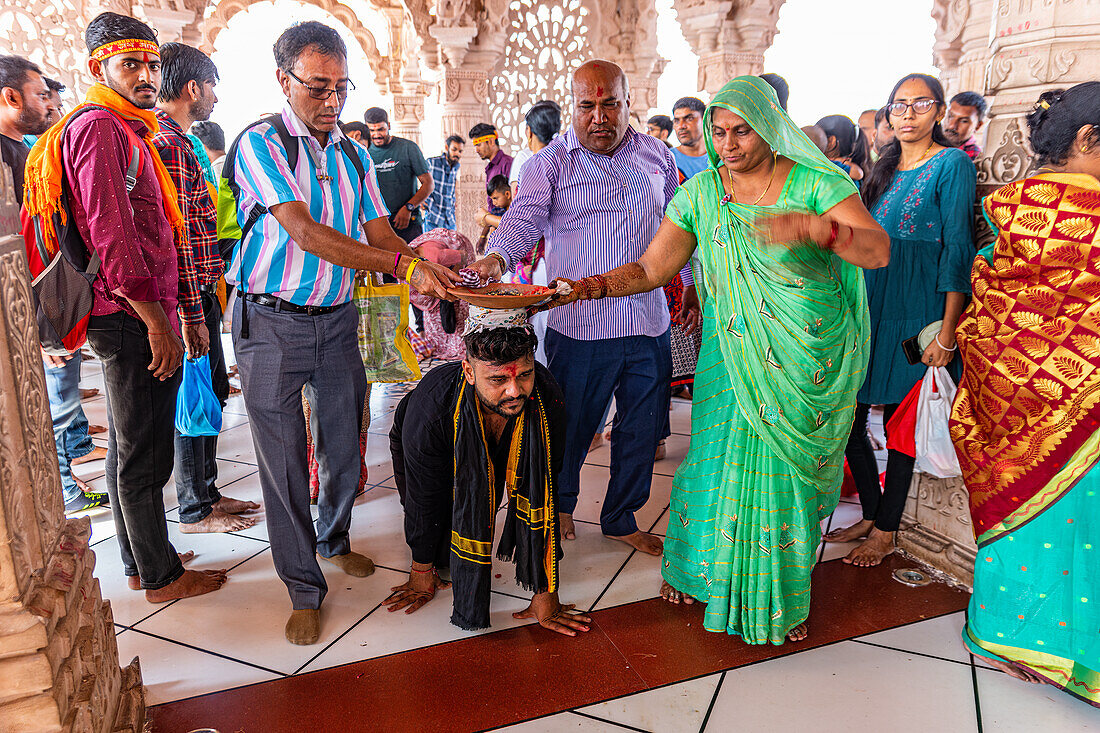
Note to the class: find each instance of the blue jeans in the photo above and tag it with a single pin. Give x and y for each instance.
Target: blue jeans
(196, 464)
(636, 370)
(70, 425)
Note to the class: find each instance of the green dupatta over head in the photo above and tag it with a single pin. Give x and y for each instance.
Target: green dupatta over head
(792, 319)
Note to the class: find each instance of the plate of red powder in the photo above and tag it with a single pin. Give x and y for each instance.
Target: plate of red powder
(503, 295)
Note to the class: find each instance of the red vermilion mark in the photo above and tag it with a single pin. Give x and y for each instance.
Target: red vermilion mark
(599, 91)
(144, 57)
(510, 369)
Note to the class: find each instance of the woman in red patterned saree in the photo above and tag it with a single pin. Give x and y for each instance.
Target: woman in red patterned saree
(1026, 422)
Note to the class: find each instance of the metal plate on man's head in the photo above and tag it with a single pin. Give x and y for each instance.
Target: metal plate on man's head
(912, 577)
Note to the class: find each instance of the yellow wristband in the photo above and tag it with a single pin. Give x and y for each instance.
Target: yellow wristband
(412, 266)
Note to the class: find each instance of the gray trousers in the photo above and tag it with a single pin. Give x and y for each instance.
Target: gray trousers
(284, 353)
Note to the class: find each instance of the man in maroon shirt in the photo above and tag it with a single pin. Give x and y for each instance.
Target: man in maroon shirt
(144, 274)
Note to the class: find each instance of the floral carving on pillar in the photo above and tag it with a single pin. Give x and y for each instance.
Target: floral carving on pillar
(631, 27)
(50, 33)
(1036, 46)
(547, 41)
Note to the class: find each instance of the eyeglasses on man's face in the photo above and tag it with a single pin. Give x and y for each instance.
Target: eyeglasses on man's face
(920, 106)
(323, 93)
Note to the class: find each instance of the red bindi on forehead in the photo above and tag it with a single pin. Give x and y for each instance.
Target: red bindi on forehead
(510, 369)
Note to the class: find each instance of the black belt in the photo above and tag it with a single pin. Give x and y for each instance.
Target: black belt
(279, 304)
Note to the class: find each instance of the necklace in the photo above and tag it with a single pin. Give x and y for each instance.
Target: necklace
(918, 160)
(771, 179)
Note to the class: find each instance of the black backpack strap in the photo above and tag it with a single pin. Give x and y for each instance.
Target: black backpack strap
(229, 169)
(290, 143)
(349, 150)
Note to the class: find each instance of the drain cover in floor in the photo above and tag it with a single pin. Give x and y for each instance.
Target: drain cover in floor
(912, 577)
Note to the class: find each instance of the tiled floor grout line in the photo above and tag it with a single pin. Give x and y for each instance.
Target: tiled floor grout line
(977, 695)
(609, 722)
(974, 678)
(211, 653)
(759, 661)
(910, 651)
(623, 566)
(713, 700)
(328, 646)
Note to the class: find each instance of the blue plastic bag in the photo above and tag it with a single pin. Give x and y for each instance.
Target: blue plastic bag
(198, 411)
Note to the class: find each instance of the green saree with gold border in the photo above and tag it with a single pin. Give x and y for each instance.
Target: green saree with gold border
(785, 344)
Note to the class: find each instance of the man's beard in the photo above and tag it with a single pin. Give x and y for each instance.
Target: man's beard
(200, 111)
(31, 124)
(496, 409)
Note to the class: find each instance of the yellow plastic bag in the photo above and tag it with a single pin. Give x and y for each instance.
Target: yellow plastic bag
(383, 322)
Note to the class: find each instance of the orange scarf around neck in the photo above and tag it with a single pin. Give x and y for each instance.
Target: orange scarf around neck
(45, 172)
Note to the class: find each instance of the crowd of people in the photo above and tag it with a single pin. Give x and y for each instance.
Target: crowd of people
(767, 272)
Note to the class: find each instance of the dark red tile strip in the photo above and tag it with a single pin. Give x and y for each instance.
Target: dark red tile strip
(518, 674)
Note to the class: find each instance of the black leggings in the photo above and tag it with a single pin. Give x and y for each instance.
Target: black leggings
(883, 506)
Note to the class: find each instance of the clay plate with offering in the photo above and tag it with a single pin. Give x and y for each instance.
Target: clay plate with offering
(503, 295)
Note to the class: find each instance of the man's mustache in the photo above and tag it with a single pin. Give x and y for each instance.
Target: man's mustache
(145, 87)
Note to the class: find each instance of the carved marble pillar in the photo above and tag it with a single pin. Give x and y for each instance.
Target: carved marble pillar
(936, 528)
(408, 113)
(631, 27)
(58, 657)
(465, 97)
(729, 37)
(1038, 45)
(169, 22)
(961, 50)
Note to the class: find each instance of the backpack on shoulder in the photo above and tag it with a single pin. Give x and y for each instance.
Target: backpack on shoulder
(63, 289)
(230, 230)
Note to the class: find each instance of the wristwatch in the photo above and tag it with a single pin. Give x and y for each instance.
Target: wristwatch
(411, 207)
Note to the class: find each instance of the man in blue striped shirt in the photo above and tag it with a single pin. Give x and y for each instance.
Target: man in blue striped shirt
(439, 207)
(294, 326)
(598, 194)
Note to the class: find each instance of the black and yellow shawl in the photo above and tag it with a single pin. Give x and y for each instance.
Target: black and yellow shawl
(530, 537)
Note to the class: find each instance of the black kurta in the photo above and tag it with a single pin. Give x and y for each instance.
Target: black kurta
(422, 443)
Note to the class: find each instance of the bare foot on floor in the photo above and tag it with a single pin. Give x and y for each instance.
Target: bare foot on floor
(672, 595)
(645, 542)
(191, 583)
(1013, 670)
(798, 633)
(217, 521)
(857, 531)
(304, 626)
(872, 550)
(235, 506)
(95, 454)
(134, 582)
(568, 528)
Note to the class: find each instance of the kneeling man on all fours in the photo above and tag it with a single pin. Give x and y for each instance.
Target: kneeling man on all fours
(469, 437)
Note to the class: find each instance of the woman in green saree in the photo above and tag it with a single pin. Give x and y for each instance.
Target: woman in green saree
(779, 235)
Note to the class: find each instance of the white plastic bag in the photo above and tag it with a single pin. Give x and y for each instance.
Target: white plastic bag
(935, 452)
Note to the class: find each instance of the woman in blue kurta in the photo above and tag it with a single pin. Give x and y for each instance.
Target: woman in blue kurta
(922, 193)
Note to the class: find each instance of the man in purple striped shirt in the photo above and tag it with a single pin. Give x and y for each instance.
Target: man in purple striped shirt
(597, 194)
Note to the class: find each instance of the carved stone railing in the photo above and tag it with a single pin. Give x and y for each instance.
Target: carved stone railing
(58, 657)
(936, 528)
